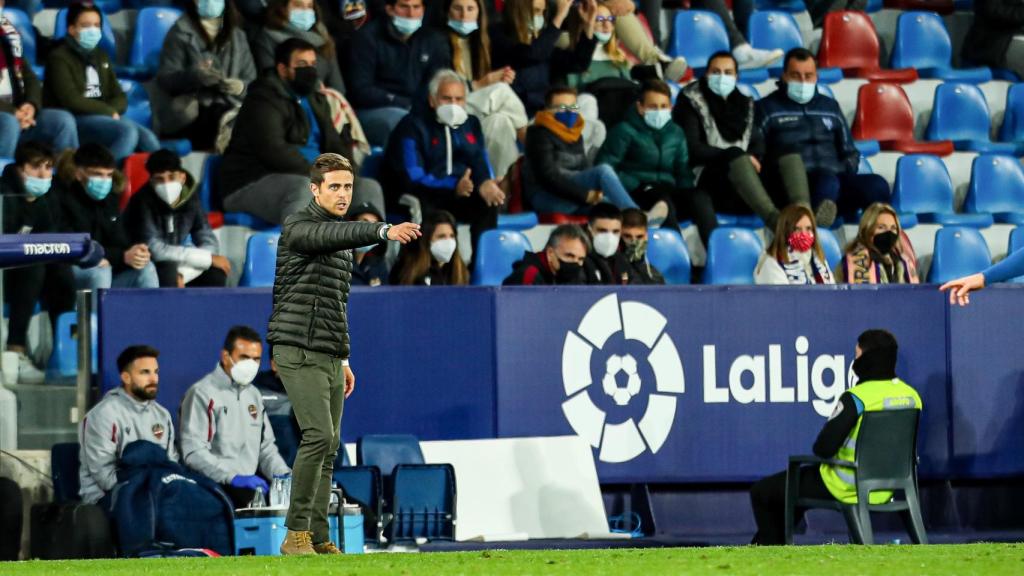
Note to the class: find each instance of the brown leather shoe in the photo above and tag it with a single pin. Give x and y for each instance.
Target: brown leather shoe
(326, 548)
(298, 543)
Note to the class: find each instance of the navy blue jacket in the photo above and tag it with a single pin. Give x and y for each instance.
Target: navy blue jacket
(416, 159)
(817, 130)
(384, 71)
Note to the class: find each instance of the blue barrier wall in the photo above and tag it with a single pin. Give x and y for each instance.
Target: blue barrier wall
(708, 384)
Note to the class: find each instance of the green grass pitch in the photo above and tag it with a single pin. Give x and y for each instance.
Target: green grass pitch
(836, 560)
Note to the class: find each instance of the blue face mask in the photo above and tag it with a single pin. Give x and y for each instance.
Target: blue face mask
(302, 19)
(463, 28)
(657, 119)
(406, 26)
(721, 84)
(98, 188)
(36, 187)
(567, 117)
(801, 92)
(211, 8)
(88, 38)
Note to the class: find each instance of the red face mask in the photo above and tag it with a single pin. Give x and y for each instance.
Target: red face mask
(801, 241)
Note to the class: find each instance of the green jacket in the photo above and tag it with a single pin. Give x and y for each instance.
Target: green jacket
(64, 84)
(643, 155)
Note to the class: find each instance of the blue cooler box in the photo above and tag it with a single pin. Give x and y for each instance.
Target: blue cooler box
(352, 522)
(261, 531)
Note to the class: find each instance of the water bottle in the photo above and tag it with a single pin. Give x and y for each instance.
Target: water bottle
(257, 499)
(280, 491)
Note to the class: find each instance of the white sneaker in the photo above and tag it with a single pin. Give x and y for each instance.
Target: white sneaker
(27, 371)
(657, 214)
(749, 57)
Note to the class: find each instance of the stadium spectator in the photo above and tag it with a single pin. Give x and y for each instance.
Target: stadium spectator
(558, 175)
(639, 269)
(525, 40)
(877, 388)
(746, 55)
(225, 431)
(796, 118)
(724, 147)
(391, 60)
(205, 68)
(343, 18)
(648, 152)
(84, 184)
(30, 208)
(369, 263)
(284, 124)
(287, 19)
(620, 18)
(560, 262)
(434, 259)
(490, 96)
(795, 255)
(881, 253)
(163, 215)
(124, 415)
(438, 154)
(609, 60)
(80, 79)
(22, 116)
(996, 35)
(604, 229)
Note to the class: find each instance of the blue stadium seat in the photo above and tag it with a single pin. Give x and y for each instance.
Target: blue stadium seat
(997, 187)
(792, 6)
(386, 451)
(959, 251)
(752, 221)
(108, 41)
(697, 34)
(867, 147)
(496, 252)
(874, 6)
(23, 23)
(1016, 243)
(1012, 129)
(923, 187)
(64, 464)
(139, 108)
(151, 26)
(865, 167)
(923, 42)
(732, 256)
(518, 221)
(209, 185)
(423, 503)
(64, 358)
(260, 260)
(824, 89)
(667, 252)
(960, 114)
(830, 246)
(749, 91)
(775, 28)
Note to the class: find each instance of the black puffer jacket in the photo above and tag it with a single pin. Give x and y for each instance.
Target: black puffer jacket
(314, 270)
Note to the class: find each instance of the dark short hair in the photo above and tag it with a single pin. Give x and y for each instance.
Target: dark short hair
(32, 153)
(724, 54)
(875, 339)
(78, 8)
(634, 218)
(657, 86)
(237, 333)
(329, 162)
(556, 90)
(567, 232)
(94, 155)
(133, 353)
(604, 211)
(163, 161)
(800, 54)
(283, 51)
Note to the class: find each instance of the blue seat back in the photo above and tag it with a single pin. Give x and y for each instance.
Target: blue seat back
(959, 113)
(108, 41)
(830, 246)
(922, 41)
(151, 26)
(496, 252)
(64, 359)
(865, 166)
(260, 260)
(385, 451)
(770, 29)
(1013, 119)
(697, 35)
(997, 185)
(824, 90)
(732, 256)
(749, 90)
(23, 23)
(64, 465)
(667, 252)
(959, 251)
(423, 503)
(922, 185)
(139, 108)
(1016, 243)
(209, 186)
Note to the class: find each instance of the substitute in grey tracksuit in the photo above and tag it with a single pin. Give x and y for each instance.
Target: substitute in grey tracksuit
(116, 421)
(225, 431)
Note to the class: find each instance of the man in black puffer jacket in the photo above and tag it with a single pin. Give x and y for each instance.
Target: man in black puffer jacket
(309, 332)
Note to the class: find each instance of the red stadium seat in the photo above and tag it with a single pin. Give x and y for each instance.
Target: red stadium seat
(884, 114)
(559, 218)
(849, 41)
(135, 175)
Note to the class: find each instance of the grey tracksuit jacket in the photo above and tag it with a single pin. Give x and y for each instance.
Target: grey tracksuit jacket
(225, 431)
(116, 421)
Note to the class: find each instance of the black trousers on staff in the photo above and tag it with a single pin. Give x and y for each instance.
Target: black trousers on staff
(768, 498)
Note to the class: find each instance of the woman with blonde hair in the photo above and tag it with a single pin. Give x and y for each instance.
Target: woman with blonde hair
(795, 255)
(881, 253)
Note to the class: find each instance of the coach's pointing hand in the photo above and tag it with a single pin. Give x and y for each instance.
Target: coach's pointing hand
(405, 232)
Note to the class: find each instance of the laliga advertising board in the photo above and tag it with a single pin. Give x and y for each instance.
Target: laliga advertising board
(718, 384)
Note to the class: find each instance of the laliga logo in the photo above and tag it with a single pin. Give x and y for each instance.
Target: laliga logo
(621, 441)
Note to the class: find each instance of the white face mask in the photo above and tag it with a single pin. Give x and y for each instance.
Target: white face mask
(443, 250)
(537, 24)
(451, 115)
(606, 243)
(244, 371)
(169, 192)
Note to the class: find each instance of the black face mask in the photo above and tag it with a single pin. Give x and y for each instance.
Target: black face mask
(885, 241)
(305, 81)
(568, 272)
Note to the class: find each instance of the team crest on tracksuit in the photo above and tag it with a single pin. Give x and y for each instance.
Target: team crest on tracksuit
(158, 431)
(253, 411)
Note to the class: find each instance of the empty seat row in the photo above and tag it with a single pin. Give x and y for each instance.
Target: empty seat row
(995, 194)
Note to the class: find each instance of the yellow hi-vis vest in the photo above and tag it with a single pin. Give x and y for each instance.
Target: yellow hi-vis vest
(870, 396)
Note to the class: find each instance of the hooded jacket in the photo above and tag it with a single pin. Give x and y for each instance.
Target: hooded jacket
(115, 422)
(24, 83)
(816, 130)
(386, 71)
(66, 83)
(100, 219)
(642, 155)
(149, 220)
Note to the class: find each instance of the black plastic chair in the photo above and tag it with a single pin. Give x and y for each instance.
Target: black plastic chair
(886, 460)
